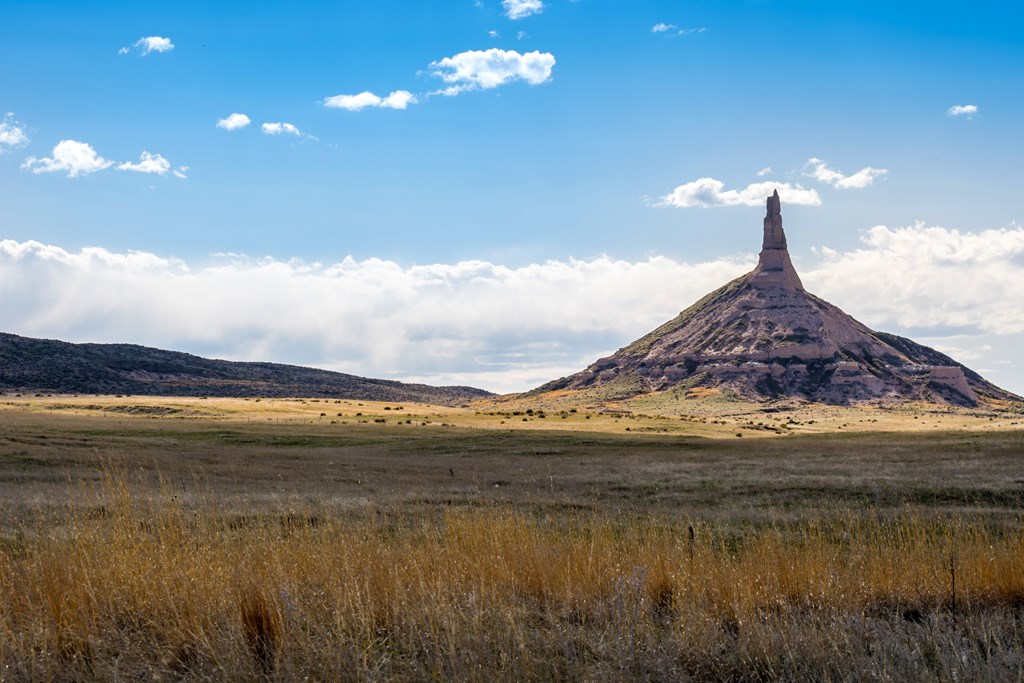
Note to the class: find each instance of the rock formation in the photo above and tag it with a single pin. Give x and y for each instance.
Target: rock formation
(762, 336)
(774, 268)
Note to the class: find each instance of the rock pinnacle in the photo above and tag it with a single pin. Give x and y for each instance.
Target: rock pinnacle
(774, 268)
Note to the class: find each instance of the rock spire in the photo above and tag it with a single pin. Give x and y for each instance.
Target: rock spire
(774, 268)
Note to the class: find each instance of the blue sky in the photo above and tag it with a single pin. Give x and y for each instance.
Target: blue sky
(485, 235)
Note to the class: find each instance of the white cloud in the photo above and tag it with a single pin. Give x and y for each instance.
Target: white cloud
(153, 163)
(472, 321)
(70, 156)
(477, 322)
(280, 129)
(967, 110)
(672, 29)
(707, 192)
(148, 44)
(234, 122)
(148, 163)
(764, 171)
(12, 133)
(354, 102)
(79, 158)
(492, 33)
(399, 99)
(920, 276)
(520, 35)
(819, 170)
(520, 9)
(951, 347)
(485, 69)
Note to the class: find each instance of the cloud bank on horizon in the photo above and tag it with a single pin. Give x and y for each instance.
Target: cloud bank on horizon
(478, 322)
(425, 133)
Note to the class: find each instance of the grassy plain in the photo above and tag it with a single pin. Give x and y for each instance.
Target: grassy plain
(218, 539)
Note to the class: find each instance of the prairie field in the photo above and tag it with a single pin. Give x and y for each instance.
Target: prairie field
(172, 539)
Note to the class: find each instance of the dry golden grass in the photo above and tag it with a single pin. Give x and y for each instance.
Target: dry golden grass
(128, 586)
(701, 413)
(467, 544)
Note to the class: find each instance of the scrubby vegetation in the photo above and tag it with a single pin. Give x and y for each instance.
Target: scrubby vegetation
(122, 586)
(33, 365)
(261, 540)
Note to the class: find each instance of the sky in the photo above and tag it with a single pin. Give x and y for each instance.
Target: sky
(499, 192)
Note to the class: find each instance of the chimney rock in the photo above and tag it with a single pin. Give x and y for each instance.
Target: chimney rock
(774, 267)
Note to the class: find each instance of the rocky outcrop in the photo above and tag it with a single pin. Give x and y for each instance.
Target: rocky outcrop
(774, 267)
(764, 336)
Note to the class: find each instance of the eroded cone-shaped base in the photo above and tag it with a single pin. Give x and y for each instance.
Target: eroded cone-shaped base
(762, 336)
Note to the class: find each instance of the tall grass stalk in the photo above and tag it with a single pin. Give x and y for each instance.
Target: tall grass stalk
(122, 588)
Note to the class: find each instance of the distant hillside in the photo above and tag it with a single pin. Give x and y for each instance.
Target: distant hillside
(60, 367)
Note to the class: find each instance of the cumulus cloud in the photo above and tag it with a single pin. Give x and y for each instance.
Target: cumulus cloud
(662, 27)
(12, 133)
(69, 156)
(79, 158)
(764, 171)
(707, 192)
(148, 163)
(234, 122)
(520, 9)
(472, 321)
(477, 322)
(485, 69)
(928, 277)
(967, 110)
(283, 128)
(149, 44)
(153, 163)
(819, 170)
(399, 99)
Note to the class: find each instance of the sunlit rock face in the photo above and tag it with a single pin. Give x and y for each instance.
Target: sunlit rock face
(763, 336)
(774, 268)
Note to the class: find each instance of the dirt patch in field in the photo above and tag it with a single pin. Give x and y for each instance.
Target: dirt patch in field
(137, 410)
